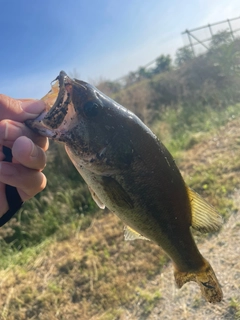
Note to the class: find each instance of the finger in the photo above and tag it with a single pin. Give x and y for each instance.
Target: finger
(20, 110)
(11, 130)
(27, 181)
(28, 154)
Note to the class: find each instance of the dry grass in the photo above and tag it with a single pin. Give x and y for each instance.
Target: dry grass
(76, 279)
(212, 167)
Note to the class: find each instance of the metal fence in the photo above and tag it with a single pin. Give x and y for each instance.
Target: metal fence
(199, 38)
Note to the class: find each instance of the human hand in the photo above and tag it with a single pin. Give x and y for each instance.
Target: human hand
(24, 172)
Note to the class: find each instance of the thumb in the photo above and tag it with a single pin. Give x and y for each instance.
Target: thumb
(19, 110)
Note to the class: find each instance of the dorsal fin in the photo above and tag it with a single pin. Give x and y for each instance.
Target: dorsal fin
(130, 234)
(204, 217)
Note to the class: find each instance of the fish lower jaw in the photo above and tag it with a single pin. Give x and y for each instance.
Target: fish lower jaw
(39, 127)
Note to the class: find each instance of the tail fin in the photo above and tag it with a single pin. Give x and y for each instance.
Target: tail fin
(206, 280)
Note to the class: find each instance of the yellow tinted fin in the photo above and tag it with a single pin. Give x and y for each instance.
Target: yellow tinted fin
(204, 217)
(51, 96)
(205, 278)
(96, 199)
(130, 234)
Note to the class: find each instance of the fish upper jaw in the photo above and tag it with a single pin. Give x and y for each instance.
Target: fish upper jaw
(59, 115)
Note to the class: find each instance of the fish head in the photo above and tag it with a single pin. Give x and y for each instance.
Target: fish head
(87, 121)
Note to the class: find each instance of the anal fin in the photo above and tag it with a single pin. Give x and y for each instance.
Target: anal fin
(130, 234)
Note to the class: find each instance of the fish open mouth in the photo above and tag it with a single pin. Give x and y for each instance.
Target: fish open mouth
(59, 112)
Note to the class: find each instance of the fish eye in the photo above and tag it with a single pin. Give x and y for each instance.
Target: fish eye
(91, 109)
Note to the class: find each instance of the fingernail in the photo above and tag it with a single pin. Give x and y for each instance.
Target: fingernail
(33, 107)
(7, 169)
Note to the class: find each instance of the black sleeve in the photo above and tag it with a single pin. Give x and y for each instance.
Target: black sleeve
(13, 198)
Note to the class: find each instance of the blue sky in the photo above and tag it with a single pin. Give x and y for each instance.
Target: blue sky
(98, 38)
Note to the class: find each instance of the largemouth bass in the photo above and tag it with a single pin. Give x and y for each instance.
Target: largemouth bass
(128, 170)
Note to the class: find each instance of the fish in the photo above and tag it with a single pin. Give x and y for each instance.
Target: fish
(129, 171)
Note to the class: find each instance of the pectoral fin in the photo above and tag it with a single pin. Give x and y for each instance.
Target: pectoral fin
(204, 217)
(130, 234)
(96, 199)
